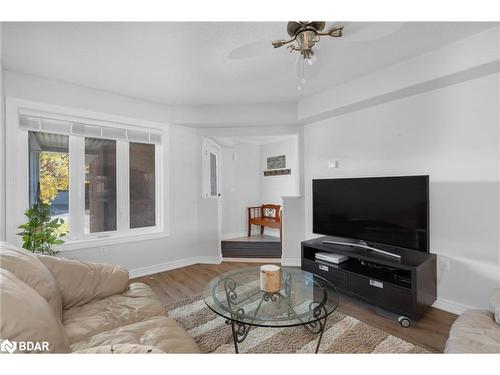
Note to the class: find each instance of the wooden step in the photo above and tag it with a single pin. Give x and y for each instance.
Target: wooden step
(252, 247)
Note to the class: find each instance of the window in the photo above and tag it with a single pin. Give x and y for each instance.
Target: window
(211, 186)
(49, 173)
(113, 171)
(213, 174)
(100, 185)
(142, 185)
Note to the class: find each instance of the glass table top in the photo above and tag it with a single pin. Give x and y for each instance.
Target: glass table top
(303, 298)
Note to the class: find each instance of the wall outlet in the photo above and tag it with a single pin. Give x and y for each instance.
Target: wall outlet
(443, 263)
(333, 163)
(104, 250)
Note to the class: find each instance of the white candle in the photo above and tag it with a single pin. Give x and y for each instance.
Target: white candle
(270, 278)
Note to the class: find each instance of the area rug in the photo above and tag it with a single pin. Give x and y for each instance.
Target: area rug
(343, 334)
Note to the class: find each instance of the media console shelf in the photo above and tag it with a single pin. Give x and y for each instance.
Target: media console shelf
(405, 285)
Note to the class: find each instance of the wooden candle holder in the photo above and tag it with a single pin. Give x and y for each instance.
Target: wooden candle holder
(270, 278)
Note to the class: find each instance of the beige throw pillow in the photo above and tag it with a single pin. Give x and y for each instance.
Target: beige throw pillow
(27, 320)
(29, 269)
(81, 282)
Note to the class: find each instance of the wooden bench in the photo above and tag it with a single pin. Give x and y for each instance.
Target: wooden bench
(267, 215)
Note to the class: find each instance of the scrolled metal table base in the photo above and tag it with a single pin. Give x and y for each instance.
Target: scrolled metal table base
(240, 330)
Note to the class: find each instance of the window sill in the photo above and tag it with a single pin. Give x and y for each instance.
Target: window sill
(88, 243)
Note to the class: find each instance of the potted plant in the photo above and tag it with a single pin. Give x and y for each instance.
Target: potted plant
(42, 232)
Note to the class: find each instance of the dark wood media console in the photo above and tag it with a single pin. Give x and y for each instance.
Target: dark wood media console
(406, 287)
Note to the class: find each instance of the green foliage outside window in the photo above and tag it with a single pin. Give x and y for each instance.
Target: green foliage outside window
(54, 170)
(41, 232)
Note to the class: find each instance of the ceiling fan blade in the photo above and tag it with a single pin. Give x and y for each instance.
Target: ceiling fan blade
(366, 31)
(251, 50)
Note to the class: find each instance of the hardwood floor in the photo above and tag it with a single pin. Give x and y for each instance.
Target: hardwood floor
(430, 332)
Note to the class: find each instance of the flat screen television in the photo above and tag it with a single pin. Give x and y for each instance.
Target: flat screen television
(382, 210)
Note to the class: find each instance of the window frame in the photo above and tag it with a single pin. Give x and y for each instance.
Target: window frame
(207, 146)
(17, 173)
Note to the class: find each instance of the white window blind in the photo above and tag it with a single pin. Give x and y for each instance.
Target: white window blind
(111, 131)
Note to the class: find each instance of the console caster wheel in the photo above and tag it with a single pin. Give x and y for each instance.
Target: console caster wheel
(404, 321)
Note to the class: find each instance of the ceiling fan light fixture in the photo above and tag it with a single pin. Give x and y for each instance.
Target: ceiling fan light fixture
(306, 34)
(307, 39)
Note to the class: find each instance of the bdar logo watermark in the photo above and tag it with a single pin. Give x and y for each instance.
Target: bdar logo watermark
(7, 346)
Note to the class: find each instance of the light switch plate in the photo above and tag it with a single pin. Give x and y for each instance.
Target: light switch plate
(444, 262)
(333, 163)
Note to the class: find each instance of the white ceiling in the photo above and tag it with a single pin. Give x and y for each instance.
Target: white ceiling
(197, 63)
(257, 140)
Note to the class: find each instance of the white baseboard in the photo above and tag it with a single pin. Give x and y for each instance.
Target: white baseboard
(273, 232)
(161, 267)
(291, 262)
(208, 260)
(450, 306)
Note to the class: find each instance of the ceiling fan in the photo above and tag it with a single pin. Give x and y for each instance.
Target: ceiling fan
(304, 35)
(307, 34)
(304, 38)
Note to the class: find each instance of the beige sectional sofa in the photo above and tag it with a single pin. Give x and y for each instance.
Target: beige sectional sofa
(476, 331)
(81, 307)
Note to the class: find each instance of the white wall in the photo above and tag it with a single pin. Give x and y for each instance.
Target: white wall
(265, 115)
(275, 187)
(293, 231)
(241, 188)
(192, 237)
(2, 145)
(243, 183)
(466, 58)
(451, 134)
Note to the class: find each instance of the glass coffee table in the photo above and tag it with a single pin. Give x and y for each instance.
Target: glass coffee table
(304, 300)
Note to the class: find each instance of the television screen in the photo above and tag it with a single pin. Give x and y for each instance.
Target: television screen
(386, 210)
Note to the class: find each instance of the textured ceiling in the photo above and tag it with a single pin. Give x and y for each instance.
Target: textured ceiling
(200, 63)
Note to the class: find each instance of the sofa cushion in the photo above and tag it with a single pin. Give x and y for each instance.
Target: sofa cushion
(137, 303)
(81, 282)
(495, 302)
(475, 331)
(26, 316)
(161, 332)
(29, 269)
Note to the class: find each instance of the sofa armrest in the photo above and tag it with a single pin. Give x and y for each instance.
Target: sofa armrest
(474, 331)
(81, 282)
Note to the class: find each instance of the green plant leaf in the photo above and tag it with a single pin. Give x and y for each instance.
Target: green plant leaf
(41, 231)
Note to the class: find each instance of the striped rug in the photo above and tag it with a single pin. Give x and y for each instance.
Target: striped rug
(343, 334)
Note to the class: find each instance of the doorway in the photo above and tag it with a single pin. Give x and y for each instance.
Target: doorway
(247, 178)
